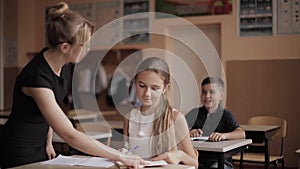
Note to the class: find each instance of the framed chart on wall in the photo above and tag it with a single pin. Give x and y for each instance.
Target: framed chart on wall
(193, 7)
(288, 19)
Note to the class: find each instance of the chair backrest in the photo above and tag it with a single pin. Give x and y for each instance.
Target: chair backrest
(93, 127)
(272, 121)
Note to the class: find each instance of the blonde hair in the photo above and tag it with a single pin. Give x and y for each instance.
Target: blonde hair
(67, 26)
(163, 134)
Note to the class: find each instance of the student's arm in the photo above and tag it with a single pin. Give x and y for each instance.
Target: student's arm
(60, 123)
(49, 147)
(185, 153)
(238, 133)
(125, 131)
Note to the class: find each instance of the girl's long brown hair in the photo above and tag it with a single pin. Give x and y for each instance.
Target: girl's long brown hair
(163, 134)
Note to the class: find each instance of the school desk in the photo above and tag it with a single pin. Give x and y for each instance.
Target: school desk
(38, 165)
(220, 150)
(259, 134)
(3, 116)
(298, 153)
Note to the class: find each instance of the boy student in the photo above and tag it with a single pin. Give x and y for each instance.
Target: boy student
(212, 120)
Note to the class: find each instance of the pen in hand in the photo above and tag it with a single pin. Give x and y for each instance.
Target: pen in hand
(132, 149)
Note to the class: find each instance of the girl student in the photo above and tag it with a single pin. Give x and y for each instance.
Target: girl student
(155, 122)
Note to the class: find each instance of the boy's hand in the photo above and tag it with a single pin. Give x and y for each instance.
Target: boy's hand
(217, 136)
(196, 133)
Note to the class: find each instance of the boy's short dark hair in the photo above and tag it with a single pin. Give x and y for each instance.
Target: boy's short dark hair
(215, 80)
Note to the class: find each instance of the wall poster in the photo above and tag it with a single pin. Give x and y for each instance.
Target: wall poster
(193, 7)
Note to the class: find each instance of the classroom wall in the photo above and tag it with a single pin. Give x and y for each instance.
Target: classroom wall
(269, 68)
(10, 33)
(271, 88)
(236, 53)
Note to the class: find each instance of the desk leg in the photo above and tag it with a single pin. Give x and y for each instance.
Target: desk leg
(221, 160)
(267, 154)
(241, 160)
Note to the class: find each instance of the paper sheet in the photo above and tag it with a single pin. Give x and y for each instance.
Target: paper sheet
(97, 162)
(149, 163)
(202, 138)
(82, 161)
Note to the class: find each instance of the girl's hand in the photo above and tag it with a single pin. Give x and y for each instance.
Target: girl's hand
(50, 151)
(171, 157)
(125, 151)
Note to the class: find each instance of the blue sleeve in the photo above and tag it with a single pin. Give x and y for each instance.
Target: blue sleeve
(229, 123)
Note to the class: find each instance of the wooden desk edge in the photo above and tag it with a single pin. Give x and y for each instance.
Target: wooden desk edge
(250, 127)
(236, 143)
(38, 165)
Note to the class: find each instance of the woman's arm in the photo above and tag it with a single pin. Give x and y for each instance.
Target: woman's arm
(56, 118)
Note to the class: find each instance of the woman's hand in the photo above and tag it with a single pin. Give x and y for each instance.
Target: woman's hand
(50, 151)
(133, 161)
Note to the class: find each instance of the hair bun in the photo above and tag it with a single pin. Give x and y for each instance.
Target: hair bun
(58, 11)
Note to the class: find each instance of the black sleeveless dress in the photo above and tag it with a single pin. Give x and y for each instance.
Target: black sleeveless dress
(23, 138)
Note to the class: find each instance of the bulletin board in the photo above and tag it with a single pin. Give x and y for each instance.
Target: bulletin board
(288, 17)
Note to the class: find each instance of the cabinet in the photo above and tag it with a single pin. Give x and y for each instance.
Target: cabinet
(136, 26)
(255, 17)
(108, 18)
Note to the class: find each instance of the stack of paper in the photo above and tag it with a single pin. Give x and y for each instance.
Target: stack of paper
(80, 161)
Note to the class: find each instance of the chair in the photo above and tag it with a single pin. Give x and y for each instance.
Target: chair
(255, 152)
